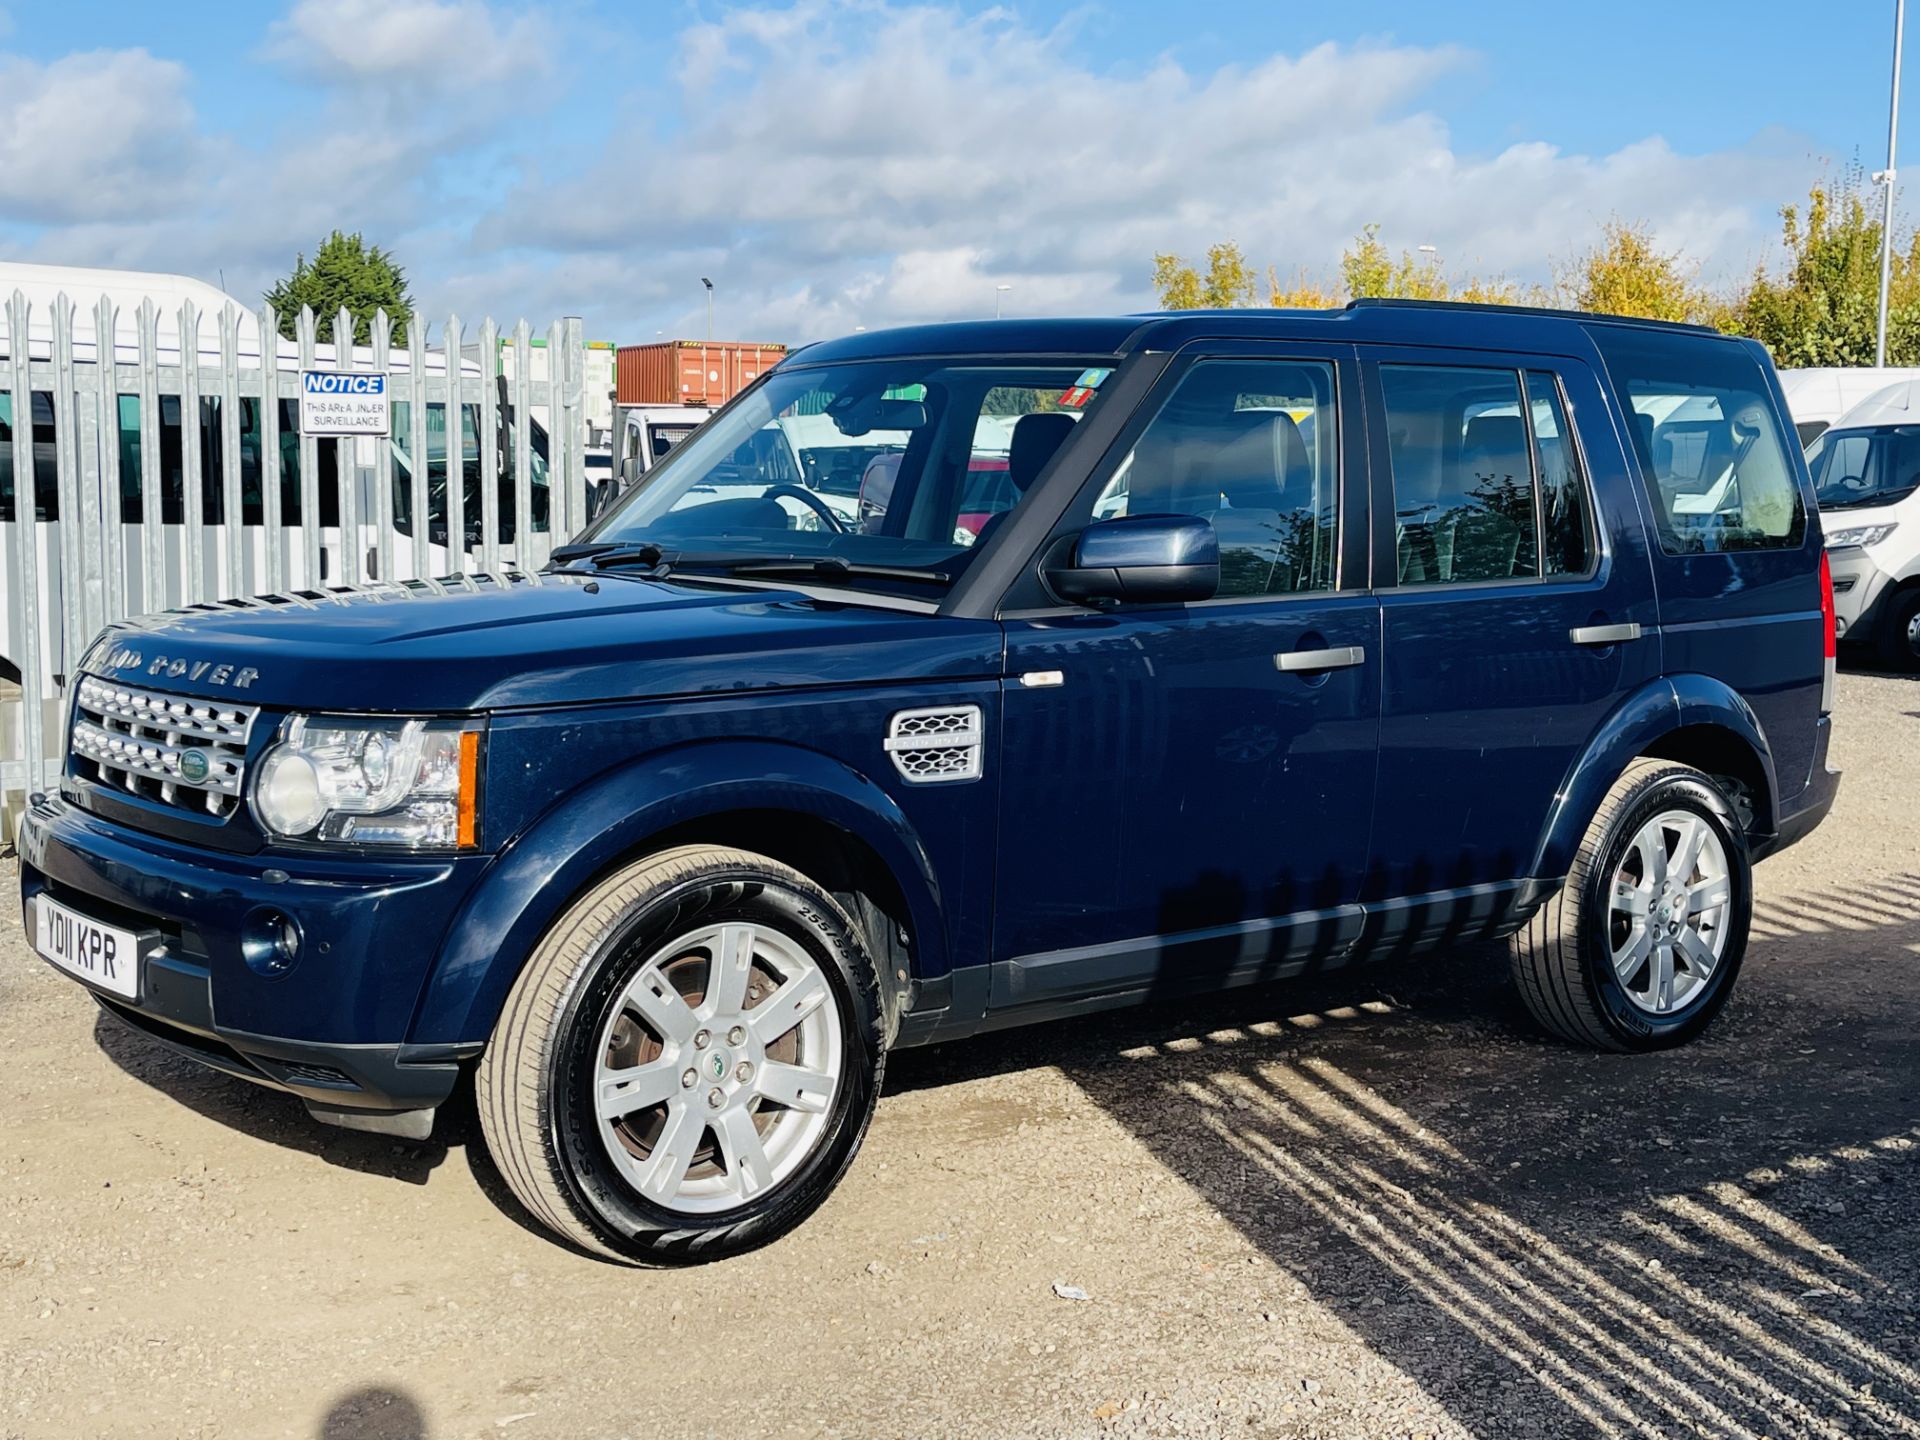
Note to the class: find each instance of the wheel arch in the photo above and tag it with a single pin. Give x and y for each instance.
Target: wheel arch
(791, 804)
(1693, 719)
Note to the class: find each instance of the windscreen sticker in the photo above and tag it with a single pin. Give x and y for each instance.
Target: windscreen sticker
(1081, 391)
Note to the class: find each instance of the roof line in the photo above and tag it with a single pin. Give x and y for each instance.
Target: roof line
(1371, 302)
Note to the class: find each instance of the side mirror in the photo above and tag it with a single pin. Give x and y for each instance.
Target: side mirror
(629, 470)
(1164, 559)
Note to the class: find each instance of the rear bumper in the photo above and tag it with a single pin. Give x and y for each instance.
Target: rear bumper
(1800, 817)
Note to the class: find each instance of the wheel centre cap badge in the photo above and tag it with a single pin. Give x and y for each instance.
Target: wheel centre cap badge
(193, 766)
(717, 1065)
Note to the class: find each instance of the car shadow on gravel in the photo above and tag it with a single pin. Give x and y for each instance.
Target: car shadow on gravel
(1865, 662)
(265, 1114)
(1719, 1240)
(270, 1115)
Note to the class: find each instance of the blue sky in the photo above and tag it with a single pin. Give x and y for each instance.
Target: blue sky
(842, 162)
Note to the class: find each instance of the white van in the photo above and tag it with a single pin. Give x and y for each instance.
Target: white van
(1866, 476)
(644, 434)
(1818, 395)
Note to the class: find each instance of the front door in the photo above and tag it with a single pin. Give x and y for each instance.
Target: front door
(1186, 789)
(1516, 614)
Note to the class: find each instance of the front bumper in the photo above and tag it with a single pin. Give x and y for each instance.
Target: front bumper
(1859, 585)
(332, 1028)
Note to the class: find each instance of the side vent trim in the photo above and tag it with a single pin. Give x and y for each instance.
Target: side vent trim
(936, 745)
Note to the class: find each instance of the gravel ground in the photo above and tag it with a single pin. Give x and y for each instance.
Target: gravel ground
(1374, 1205)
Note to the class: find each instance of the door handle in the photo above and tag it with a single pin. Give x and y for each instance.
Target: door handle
(1604, 634)
(1338, 657)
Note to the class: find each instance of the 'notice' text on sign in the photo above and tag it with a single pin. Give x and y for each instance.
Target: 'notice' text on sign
(344, 404)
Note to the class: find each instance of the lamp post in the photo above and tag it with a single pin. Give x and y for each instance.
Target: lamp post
(999, 293)
(1885, 178)
(709, 284)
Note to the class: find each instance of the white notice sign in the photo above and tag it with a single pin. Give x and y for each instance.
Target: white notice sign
(349, 404)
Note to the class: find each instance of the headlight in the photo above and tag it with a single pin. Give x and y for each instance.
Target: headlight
(413, 784)
(1860, 535)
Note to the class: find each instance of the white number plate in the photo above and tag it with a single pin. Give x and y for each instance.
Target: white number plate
(98, 953)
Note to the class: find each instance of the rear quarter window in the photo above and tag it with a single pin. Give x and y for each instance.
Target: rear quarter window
(1718, 466)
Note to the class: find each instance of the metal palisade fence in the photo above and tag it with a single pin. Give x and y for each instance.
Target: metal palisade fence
(152, 459)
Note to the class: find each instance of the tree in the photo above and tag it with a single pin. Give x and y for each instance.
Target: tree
(1304, 293)
(1228, 282)
(345, 271)
(1625, 274)
(1367, 268)
(1824, 309)
(1370, 271)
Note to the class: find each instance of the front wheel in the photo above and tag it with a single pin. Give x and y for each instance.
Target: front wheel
(689, 1061)
(1898, 640)
(1639, 949)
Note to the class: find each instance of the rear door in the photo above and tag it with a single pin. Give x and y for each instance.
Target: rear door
(1517, 609)
(1738, 554)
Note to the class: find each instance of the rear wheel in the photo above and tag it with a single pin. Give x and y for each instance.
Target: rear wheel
(1640, 948)
(689, 1061)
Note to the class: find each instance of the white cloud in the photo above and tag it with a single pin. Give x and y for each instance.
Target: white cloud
(103, 161)
(408, 48)
(106, 134)
(865, 163)
(830, 163)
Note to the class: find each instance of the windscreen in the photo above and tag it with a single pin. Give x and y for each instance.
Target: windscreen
(903, 464)
(1854, 469)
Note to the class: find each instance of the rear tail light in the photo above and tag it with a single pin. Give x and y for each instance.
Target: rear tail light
(1829, 636)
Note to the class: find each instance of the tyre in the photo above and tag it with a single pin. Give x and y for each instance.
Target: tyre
(1897, 637)
(689, 1061)
(1639, 949)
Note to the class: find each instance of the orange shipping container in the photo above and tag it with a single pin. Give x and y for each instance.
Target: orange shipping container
(690, 372)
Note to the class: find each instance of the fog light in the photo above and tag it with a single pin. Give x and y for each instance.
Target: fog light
(269, 942)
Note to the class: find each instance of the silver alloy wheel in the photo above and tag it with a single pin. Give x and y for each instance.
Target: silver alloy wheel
(715, 1074)
(1667, 917)
(1913, 634)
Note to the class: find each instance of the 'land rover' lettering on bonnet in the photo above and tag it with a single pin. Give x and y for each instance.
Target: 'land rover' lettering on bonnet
(171, 667)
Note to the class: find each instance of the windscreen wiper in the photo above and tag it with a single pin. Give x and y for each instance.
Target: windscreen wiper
(832, 567)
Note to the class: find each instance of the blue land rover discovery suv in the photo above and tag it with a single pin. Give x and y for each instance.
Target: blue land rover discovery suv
(1153, 655)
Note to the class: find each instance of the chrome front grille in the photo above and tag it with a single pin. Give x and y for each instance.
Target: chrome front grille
(172, 748)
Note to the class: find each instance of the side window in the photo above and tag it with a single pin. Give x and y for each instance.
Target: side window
(1566, 519)
(1486, 479)
(128, 430)
(400, 466)
(172, 499)
(46, 481)
(1250, 445)
(1463, 485)
(1841, 462)
(1708, 440)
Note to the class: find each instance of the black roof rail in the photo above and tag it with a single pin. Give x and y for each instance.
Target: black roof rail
(1367, 302)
